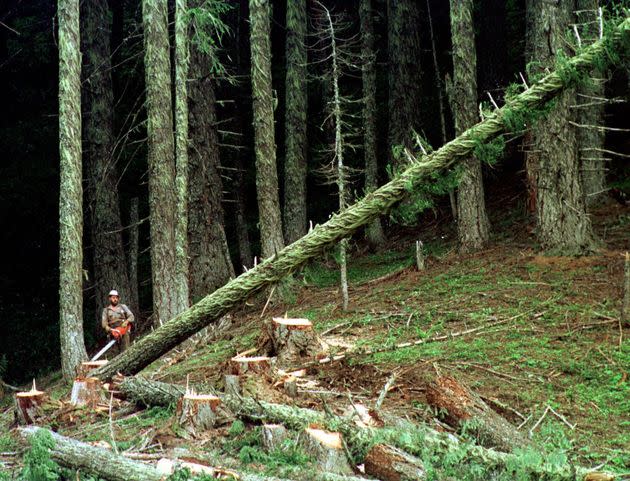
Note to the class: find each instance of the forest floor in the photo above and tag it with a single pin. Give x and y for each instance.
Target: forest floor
(559, 345)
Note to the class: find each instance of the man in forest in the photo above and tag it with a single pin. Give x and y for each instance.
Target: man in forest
(117, 315)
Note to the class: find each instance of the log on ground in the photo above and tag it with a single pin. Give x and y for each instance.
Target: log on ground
(462, 408)
(388, 463)
(212, 307)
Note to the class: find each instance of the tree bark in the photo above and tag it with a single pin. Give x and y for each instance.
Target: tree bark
(562, 223)
(271, 238)
(403, 21)
(206, 234)
(374, 230)
(71, 191)
(392, 464)
(326, 449)
(110, 268)
(134, 247)
(212, 307)
(295, 220)
(161, 159)
(472, 220)
(182, 59)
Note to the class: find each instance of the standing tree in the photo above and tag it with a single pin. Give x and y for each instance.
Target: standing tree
(208, 248)
(562, 222)
(110, 268)
(404, 72)
(71, 192)
(161, 159)
(295, 124)
(266, 171)
(472, 220)
(374, 230)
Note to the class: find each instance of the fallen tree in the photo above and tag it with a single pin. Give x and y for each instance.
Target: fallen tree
(379, 202)
(412, 438)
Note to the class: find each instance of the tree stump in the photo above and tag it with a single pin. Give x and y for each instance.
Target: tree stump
(231, 385)
(200, 412)
(327, 449)
(291, 387)
(250, 365)
(273, 435)
(294, 340)
(460, 406)
(85, 367)
(87, 392)
(28, 405)
(388, 463)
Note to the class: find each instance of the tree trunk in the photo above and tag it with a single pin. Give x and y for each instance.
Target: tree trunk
(374, 230)
(134, 247)
(71, 191)
(110, 269)
(181, 156)
(403, 21)
(271, 239)
(295, 220)
(211, 308)
(591, 140)
(563, 225)
(326, 449)
(472, 220)
(206, 235)
(161, 159)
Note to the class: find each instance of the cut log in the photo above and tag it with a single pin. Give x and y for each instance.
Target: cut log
(167, 467)
(231, 385)
(87, 392)
(293, 341)
(388, 463)
(327, 449)
(360, 440)
(85, 367)
(199, 412)
(28, 405)
(461, 408)
(250, 365)
(273, 436)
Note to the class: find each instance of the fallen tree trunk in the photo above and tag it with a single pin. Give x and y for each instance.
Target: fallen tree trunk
(344, 224)
(392, 464)
(412, 438)
(74, 454)
(461, 408)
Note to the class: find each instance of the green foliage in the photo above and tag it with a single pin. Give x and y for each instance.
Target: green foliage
(37, 463)
(209, 29)
(237, 428)
(490, 152)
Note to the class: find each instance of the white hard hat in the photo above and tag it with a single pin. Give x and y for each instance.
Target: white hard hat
(113, 292)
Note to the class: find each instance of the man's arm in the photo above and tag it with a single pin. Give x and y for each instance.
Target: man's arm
(104, 320)
(128, 313)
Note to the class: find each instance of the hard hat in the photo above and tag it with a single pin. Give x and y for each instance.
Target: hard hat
(113, 292)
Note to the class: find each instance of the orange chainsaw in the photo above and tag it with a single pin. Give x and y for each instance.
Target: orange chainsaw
(117, 334)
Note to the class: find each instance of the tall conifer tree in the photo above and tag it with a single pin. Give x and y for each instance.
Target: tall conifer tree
(71, 191)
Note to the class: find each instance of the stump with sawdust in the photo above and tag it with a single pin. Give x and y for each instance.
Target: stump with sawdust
(199, 412)
(29, 405)
(87, 391)
(460, 406)
(293, 341)
(85, 367)
(326, 448)
(388, 463)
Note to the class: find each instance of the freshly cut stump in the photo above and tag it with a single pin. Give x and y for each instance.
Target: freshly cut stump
(294, 340)
(28, 406)
(388, 463)
(199, 412)
(461, 405)
(85, 367)
(273, 435)
(87, 392)
(327, 449)
(250, 365)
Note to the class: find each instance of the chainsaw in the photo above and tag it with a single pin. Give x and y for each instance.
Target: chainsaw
(117, 334)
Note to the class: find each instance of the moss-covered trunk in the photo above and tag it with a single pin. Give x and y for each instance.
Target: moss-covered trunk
(208, 250)
(271, 238)
(562, 223)
(374, 230)
(71, 191)
(110, 267)
(161, 159)
(472, 220)
(295, 220)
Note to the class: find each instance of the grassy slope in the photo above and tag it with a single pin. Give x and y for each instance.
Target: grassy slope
(555, 349)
